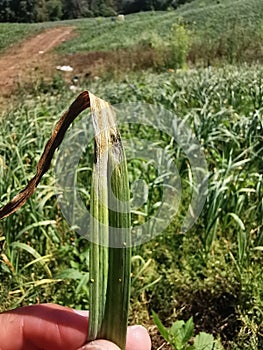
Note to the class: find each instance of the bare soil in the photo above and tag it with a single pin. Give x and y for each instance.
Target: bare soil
(18, 64)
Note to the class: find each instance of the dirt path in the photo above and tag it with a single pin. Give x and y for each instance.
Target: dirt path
(18, 63)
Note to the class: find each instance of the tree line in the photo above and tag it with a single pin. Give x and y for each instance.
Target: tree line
(53, 10)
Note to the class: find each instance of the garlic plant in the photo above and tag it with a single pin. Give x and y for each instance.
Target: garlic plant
(110, 224)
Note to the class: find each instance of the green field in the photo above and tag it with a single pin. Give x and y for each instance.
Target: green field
(210, 20)
(213, 271)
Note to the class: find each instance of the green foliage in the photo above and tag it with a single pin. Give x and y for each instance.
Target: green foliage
(52, 10)
(102, 8)
(169, 53)
(179, 44)
(76, 9)
(132, 6)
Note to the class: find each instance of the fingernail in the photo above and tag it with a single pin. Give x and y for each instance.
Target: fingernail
(93, 347)
(83, 313)
(136, 327)
(100, 345)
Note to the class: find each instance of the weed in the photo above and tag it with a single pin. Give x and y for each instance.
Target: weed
(181, 336)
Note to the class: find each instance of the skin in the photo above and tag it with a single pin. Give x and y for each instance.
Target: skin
(50, 326)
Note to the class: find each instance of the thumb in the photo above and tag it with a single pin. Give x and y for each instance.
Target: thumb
(100, 344)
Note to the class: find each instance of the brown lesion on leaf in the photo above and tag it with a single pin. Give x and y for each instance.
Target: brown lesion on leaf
(79, 105)
(115, 137)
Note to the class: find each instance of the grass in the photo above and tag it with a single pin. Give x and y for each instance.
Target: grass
(212, 18)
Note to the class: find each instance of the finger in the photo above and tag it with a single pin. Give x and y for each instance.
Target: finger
(138, 338)
(44, 326)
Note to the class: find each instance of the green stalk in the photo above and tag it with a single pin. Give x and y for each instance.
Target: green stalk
(114, 326)
(111, 254)
(98, 253)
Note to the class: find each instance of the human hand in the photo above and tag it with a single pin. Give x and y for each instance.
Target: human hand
(54, 327)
